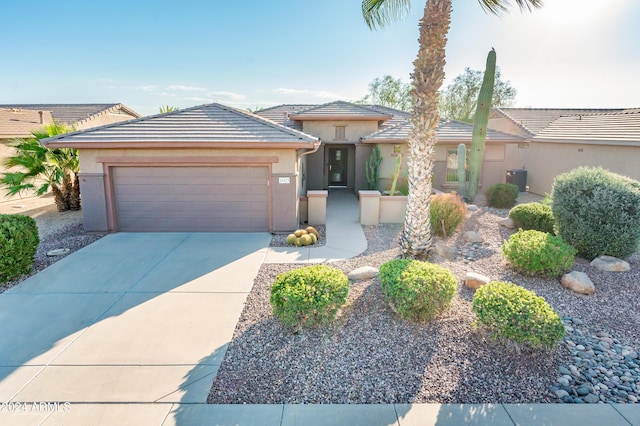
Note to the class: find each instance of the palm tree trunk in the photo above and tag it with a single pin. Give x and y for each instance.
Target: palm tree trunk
(427, 78)
(58, 198)
(67, 186)
(74, 202)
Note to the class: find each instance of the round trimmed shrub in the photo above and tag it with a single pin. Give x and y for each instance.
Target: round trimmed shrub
(416, 290)
(18, 244)
(538, 253)
(597, 212)
(536, 216)
(511, 312)
(447, 213)
(502, 195)
(309, 296)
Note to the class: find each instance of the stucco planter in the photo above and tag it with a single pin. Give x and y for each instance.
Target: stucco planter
(392, 208)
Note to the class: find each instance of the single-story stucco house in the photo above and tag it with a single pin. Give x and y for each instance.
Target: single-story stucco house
(217, 168)
(19, 120)
(560, 140)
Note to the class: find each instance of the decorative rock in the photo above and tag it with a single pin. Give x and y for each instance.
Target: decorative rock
(472, 207)
(610, 264)
(578, 282)
(475, 281)
(507, 222)
(363, 273)
(561, 393)
(58, 252)
(591, 399)
(472, 237)
(442, 249)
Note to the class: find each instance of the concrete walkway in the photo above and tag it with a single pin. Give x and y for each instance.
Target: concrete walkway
(344, 236)
(131, 330)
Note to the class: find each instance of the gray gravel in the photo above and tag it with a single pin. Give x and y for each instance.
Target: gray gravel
(369, 355)
(56, 230)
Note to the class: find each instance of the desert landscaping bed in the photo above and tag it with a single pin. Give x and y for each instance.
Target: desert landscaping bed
(369, 355)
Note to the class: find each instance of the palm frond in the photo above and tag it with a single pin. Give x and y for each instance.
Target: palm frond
(498, 6)
(378, 13)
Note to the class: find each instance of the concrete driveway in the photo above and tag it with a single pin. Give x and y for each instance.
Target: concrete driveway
(131, 318)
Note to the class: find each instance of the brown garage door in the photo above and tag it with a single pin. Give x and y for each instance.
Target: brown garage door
(178, 199)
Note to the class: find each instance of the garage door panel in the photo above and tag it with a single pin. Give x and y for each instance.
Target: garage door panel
(178, 199)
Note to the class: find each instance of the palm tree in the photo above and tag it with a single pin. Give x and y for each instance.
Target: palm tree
(427, 77)
(41, 169)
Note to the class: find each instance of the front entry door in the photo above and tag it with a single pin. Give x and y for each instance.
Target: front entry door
(338, 166)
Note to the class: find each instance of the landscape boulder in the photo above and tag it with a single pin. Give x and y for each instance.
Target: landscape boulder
(475, 280)
(363, 273)
(507, 222)
(610, 264)
(578, 282)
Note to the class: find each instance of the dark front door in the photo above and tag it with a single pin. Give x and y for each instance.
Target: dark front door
(338, 166)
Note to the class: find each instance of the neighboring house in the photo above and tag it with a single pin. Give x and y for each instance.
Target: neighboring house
(19, 120)
(559, 140)
(217, 168)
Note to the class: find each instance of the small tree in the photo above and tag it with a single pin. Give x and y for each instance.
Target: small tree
(458, 101)
(389, 92)
(41, 169)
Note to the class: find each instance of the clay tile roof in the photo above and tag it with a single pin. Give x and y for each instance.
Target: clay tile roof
(72, 113)
(196, 126)
(18, 123)
(341, 110)
(534, 120)
(616, 128)
(449, 131)
(280, 114)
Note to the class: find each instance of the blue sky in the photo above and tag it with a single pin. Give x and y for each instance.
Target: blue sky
(571, 53)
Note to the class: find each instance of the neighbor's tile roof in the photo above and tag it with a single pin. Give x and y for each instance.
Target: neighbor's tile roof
(18, 123)
(73, 113)
(535, 120)
(341, 110)
(611, 128)
(212, 123)
(448, 131)
(280, 114)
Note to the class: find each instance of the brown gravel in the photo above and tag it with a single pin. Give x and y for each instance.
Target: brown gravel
(369, 355)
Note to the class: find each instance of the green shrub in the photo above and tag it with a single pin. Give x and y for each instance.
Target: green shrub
(309, 296)
(18, 244)
(447, 213)
(598, 212)
(536, 216)
(502, 195)
(511, 312)
(538, 253)
(417, 290)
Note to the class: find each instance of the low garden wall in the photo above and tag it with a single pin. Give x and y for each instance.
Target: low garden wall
(376, 208)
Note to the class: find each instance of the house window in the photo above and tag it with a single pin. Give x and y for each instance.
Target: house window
(452, 166)
(341, 133)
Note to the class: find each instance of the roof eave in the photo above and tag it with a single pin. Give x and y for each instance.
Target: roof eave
(174, 145)
(339, 117)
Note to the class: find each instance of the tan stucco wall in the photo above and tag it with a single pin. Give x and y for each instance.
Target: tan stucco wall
(544, 161)
(493, 167)
(326, 131)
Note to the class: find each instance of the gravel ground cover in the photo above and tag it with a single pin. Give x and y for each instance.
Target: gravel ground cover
(56, 231)
(369, 355)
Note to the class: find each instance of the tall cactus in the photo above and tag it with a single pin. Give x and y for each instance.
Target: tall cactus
(396, 173)
(480, 125)
(371, 168)
(462, 171)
